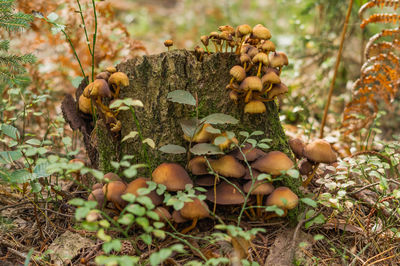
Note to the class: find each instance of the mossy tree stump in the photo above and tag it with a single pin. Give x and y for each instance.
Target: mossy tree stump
(151, 79)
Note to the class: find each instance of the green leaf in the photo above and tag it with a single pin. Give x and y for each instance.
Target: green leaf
(172, 148)
(131, 135)
(101, 234)
(123, 104)
(130, 172)
(81, 213)
(153, 215)
(76, 202)
(275, 209)
(136, 209)
(129, 197)
(114, 244)
(146, 238)
(309, 202)
(181, 96)
(159, 233)
(7, 157)
(76, 81)
(52, 17)
(293, 173)
(20, 176)
(33, 142)
(318, 237)
(149, 142)
(219, 140)
(146, 201)
(219, 118)
(126, 219)
(205, 149)
(10, 131)
(189, 127)
(40, 170)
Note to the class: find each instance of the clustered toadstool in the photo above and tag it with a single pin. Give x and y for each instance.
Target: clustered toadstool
(256, 50)
(107, 84)
(314, 153)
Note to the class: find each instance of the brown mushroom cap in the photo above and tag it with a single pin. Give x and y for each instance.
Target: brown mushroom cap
(278, 59)
(320, 151)
(226, 194)
(251, 83)
(277, 89)
(227, 28)
(111, 177)
(85, 104)
(118, 79)
(251, 153)
(233, 95)
(261, 57)
(113, 191)
(97, 195)
(297, 146)
(255, 173)
(270, 77)
(163, 213)
(177, 217)
(141, 182)
(255, 107)
(172, 175)
(238, 73)
(228, 166)
(283, 198)
(305, 167)
(103, 75)
(261, 32)
(273, 163)
(205, 40)
(168, 43)
(97, 186)
(100, 88)
(206, 181)
(268, 46)
(243, 30)
(111, 69)
(198, 166)
(252, 51)
(195, 209)
(260, 187)
(244, 58)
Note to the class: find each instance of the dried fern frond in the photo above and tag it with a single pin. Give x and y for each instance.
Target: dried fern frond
(380, 74)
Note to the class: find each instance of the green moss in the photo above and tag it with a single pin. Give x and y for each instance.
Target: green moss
(107, 147)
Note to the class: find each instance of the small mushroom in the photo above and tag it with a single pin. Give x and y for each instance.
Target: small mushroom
(99, 90)
(305, 167)
(273, 163)
(277, 89)
(297, 146)
(103, 75)
(113, 192)
(111, 69)
(109, 177)
(251, 153)
(141, 182)
(261, 32)
(198, 166)
(202, 136)
(194, 211)
(163, 213)
(168, 44)
(238, 73)
(225, 194)
(283, 198)
(116, 81)
(258, 188)
(97, 195)
(206, 181)
(262, 59)
(228, 166)
(318, 151)
(172, 175)
(255, 107)
(226, 144)
(249, 85)
(205, 40)
(85, 105)
(268, 46)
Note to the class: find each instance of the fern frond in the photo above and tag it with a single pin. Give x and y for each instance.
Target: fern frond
(378, 3)
(380, 18)
(14, 22)
(4, 45)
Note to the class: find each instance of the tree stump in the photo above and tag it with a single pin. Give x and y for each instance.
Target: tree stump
(152, 78)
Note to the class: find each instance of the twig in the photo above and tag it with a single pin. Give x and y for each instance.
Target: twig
(339, 55)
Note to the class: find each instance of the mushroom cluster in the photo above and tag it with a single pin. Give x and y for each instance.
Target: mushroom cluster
(106, 86)
(256, 80)
(312, 154)
(241, 179)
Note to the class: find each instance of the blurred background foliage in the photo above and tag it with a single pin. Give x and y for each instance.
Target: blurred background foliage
(307, 30)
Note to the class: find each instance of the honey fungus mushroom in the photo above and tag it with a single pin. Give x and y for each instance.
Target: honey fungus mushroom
(116, 81)
(258, 188)
(318, 151)
(283, 198)
(194, 210)
(273, 163)
(113, 192)
(171, 175)
(228, 166)
(225, 194)
(139, 183)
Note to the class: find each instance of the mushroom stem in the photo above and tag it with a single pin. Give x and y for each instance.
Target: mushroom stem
(230, 82)
(193, 225)
(259, 202)
(267, 89)
(116, 93)
(248, 68)
(208, 51)
(215, 194)
(103, 107)
(259, 69)
(258, 98)
(244, 65)
(248, 215)
(309, 178)
(248, 96)
(216, 46)
(253, 212)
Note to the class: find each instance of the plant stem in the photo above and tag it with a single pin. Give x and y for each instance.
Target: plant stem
(339, 55)
(84, 28)
(75, 54)
(94, 36)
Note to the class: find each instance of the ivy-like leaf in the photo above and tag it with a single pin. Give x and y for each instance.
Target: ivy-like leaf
(205, 149)
(172, 148)
(181, 96)
(219, 118)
